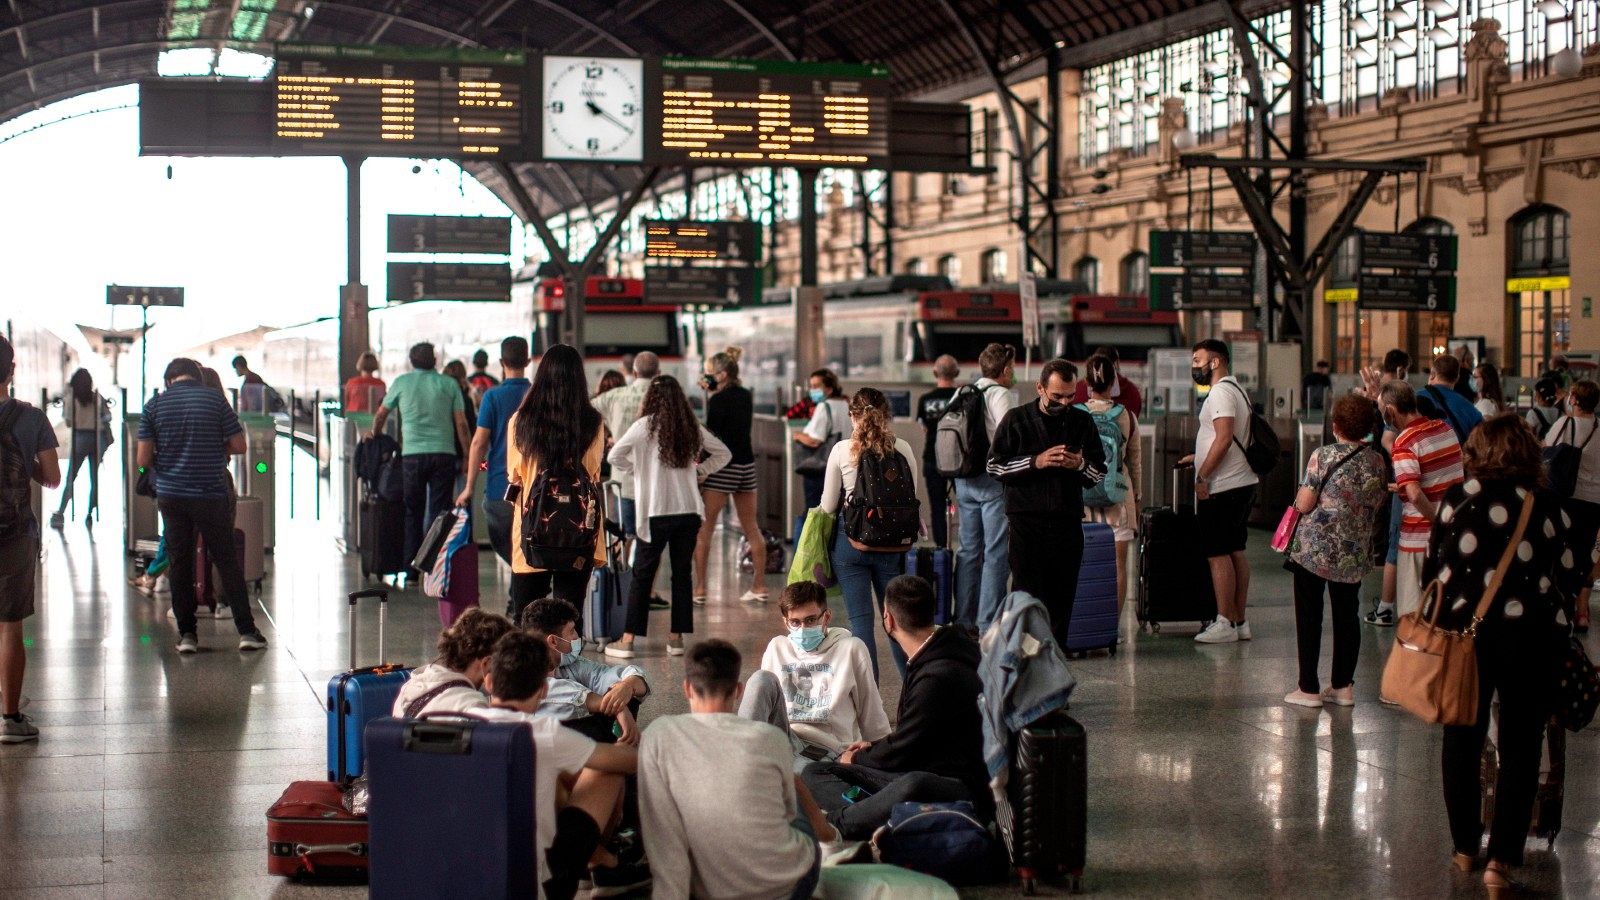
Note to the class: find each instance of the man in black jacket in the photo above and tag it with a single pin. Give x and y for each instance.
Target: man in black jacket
(935, 754)
(1044, 454)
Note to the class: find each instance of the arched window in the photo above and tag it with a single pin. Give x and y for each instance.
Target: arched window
(1541, 304)
(993, 266)
(1087, 270)
(950, 267)
(916, 265)
(1136, 273)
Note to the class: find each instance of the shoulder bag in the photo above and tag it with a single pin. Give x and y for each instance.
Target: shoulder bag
(1563, 458)
(1290, 523)
(815, 461)
(1433, 672)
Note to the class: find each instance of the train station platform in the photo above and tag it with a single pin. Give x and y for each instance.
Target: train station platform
(153, 770)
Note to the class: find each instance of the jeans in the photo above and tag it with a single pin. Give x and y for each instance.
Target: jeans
(857, 821)
(428, 479)
(1308, 589)
(862, 573)
(764, 702)
(670, 534)
(527, 587)
(813, 489)
(1045, 554)
(85, 448)
(938, 504)
(981, 561)
(186, 520)
(808, 882)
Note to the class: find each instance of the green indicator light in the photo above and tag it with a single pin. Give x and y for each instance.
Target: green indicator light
(144, 639)
(27, 642)
(141, 470)
(261, 467)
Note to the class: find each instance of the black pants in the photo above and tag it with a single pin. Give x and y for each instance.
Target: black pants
(828, 781)
(185, 520)
(938, 504)
(1046, 552)
(668, 534)
(527, 587)
(497, 514)
(429, 481)
(812, 487)
(1308, 590)
(1514, 660)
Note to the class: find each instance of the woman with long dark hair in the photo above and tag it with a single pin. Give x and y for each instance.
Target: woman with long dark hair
(1485, 382)
(554, 426)
(730, 411)
(666, 453)
(84, 411)
(610, 379)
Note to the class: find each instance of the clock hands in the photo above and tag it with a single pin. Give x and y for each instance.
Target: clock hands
(596, 110)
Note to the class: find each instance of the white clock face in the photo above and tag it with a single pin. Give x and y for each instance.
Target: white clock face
(593, 108)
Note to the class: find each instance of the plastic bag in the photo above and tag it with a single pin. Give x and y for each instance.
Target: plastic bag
(811, 557)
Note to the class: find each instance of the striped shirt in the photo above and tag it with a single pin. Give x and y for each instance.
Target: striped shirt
(190, 425)
(1427, 453)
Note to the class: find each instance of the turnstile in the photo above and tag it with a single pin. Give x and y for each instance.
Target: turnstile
(141, 521)
(255, 472)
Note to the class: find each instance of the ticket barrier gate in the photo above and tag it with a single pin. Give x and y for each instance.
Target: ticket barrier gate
(255, 472)
(141, 528)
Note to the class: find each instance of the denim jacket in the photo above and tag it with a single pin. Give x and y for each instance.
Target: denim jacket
(1024, 677)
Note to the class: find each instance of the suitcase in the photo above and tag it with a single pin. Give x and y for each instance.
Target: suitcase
(1048, 806)
(433, 540)
(1174, 579)
(462, 591)
(1094, 610)
(358, 696)
(452, 809)
(310, 834)
(383, 537)
(605, 613)
(935, 565)
(249, 517)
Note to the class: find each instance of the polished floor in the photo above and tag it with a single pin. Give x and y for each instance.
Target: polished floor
(154, 770)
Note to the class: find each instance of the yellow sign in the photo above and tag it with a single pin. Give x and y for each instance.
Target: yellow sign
(1341, 295)
(1542, 283)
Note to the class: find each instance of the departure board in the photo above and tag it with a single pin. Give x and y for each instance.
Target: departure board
(749, 112)
(383, 101)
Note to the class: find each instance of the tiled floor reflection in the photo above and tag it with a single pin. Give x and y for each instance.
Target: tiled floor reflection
(154, 771)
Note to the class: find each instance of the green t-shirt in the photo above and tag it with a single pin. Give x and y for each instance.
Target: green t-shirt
(428, 403)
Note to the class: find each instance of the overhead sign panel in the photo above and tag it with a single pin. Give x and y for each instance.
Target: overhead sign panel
(1404, 250)
(723, 286)
(449, 234)
(125, 295)
(1202, 248)
(1419, 291)
(734, 242)
(381, 101)
(409, 281)
(769, 112)
(1202, 290)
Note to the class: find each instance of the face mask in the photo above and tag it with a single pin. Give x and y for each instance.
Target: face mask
(574, 651)
(1053, 408)
(816, 395)
(1472, 384)
(1201, 375)
(709, 382)
(807, 639)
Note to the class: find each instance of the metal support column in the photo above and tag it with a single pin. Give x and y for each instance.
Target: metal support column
(809, 312)
(353, 334)
(1300, 88)
(808, 227)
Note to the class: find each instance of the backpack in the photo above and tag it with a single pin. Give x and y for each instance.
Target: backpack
(945, 840)
(1113, 488)
(883, 511)
(961, 439)
(1544, 423)
(378, 468)
(561, 520)
(16, 495)
(1262, 451)
(1432, 404)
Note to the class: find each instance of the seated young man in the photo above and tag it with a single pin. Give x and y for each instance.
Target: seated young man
(935, 753)
(724, 814)
(452, 682)
(568, 765)
(815, 682)
(589, 697)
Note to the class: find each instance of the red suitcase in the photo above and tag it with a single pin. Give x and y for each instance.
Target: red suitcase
(311, 835)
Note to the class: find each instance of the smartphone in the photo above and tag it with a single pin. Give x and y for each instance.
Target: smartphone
(813, 752)
(513, 491)
(853, 794)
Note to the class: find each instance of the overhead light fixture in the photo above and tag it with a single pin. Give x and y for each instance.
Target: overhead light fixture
(1241, 85)
(1441, 36)
(1124, 115)
(1398, 46)
(1122, 92)
(1399, 17)
(1214, 68)
(1566, 62)
(1150, 109)
(1551, 9)
(1279, 76)
(1151, 85)
(1363, 56)
(1183, 139)
(1363, 27)
(1439, 7)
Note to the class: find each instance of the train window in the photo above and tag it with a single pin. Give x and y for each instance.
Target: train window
(1133, 342)
(965, 341)
(628, 332)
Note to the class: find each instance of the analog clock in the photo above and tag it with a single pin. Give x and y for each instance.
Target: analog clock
(593, 108)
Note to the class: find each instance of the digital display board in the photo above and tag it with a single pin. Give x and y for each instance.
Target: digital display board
(124, 295)
(380, 101)
(449, 234)
(410, 281)
(1418, 291)
(769, 112)
(1234, 249)
(1200, 289)
(720, 286)
(1406, 250)
(726, 241)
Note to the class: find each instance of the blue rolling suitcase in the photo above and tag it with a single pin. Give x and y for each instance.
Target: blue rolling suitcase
(359, 695)
(605, 611)
(1094, 610)
(452, 812)
(935, 565)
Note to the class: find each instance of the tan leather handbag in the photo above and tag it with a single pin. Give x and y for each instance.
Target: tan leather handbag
(1432, 672)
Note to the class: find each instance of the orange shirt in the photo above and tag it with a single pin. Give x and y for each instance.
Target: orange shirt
(523, 469)
(363, 393)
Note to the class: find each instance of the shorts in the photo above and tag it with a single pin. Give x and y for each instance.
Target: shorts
(734, 478)
(19, 570)
(568, 857)
(1221, 520)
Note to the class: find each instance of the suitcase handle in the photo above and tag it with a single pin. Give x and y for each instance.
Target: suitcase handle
(383, 616)
(423, 736)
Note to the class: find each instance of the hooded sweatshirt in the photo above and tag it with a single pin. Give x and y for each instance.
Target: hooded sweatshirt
(831, 694)
(458, 698)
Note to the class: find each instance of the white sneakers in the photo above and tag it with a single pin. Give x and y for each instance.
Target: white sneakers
(1221, 631)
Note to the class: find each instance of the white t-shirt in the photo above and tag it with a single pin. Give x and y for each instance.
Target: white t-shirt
(819, 426)
(1226, 399)
(559, 751)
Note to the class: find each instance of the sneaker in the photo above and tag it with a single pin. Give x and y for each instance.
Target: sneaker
(840, 852)
(57, 521)
(659, 603)
(222, 611)
(18, 730)
(621, 880)
(1244, 631)
(1301, 698)
(252, 641)
(752, 597)
(1380, 616)
(674, 646)
(620, 649)
(188, 643)
(699, 599)
(1387, 702)
(1345, 696)
(1220, 631)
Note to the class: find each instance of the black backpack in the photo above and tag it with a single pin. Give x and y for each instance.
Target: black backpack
(561, 519)
(16, 495)
(378, 468)
(961, 438)
(1261, 451)
(883, 511)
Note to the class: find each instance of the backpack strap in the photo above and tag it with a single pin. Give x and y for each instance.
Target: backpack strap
(13, 410)
(416, 706)
(1250, 410)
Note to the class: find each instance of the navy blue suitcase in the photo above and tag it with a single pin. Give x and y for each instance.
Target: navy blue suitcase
(935, 565)
(1094, 610)
(360, 695)
(452, 812)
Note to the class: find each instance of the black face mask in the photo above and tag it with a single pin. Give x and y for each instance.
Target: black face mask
(1201, 376)
(709, 382)
(1054, 408)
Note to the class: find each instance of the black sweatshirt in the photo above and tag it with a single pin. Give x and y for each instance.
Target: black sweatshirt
(1026, 432)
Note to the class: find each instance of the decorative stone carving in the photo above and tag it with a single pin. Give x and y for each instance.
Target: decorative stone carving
(1395, 98)
(1586, 169)
(1477, 226)
(1453, 182)
(1487, 65)
(1493, 180)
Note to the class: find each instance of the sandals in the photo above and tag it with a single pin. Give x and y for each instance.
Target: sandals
(752, 597)
(1497, 881)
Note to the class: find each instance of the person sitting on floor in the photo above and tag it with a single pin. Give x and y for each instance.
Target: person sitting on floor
(815, 682)
(453, 681)
(587, 696)
(935, 753)
(724, 815)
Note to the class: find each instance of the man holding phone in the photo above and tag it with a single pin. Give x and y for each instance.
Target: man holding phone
(1044, 454)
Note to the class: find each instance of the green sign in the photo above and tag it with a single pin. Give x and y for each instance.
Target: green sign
(1227, 249)
(1411, 291)
(1199, 289)
(1404, 250)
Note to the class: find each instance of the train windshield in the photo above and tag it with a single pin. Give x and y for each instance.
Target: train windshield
(630, 331)
(963, 340)
(1132, 341)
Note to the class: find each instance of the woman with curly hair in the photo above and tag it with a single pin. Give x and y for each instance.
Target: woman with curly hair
(666, 453)
(863, 571)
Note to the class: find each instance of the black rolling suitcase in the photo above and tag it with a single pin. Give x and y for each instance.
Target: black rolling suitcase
(1048, 803)
(383, 537)
(1174, 578)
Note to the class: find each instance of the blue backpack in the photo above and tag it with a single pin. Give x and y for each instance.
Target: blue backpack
(1113, 488)
(945, 840)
